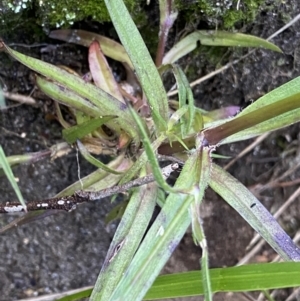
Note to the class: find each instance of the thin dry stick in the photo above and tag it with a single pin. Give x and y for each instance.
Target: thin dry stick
(92, 196)
(19, 98)
(276, 182)
(295, 295)
(57, 296)
(257, 141)
(69, 203)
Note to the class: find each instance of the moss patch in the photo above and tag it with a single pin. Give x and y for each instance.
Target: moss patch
(222, 13)
(58, 13)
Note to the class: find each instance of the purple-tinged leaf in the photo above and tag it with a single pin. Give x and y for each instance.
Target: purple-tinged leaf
(215, 135)
(253, 211)
(101, 73)
(223, 113)
(168, 15)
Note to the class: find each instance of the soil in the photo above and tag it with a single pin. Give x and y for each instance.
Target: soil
(65, 251)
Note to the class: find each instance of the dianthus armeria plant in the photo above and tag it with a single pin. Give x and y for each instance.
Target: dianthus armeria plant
(138, 126)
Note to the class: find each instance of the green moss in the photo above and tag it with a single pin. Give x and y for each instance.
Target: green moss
(65, 12)
(58, 13)
(222, 13)
(245, 14)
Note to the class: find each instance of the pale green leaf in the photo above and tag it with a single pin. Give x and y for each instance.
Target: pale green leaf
(126, 240)
(185, 98)
(161, 239)
(4, 164)
(81, 130)
(144, 67)
(150, 152)
(87, 156)
(214, 38)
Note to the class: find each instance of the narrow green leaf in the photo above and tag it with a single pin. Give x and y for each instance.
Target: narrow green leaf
(2, 99)
(139, 163)
(145, 69)
(67, 97)
(81, 130)
(4, 164)
(185, 97)
(174, 119)
(204, 171)
(252, 210)
(79, 295)
(253, 277)
(150, 152)
(126, 240)
(27, 158)
(162, 238)
(214, 38)
(73, 100)
(87, 156)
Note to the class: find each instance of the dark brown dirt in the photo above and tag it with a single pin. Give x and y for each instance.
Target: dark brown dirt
(65, 251)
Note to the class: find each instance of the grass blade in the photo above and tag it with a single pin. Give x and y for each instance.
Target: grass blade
(145, 69)
(150, 153)
(139, 163)
(185, 95)
(81, 130)
(253, 277)
(214, 38)
(4, 164)
(251, 209)
(162, 238)
(126, 240)
(87, 156)
(198, 232)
